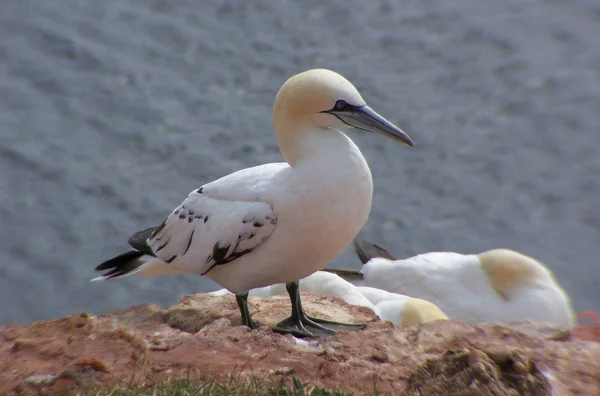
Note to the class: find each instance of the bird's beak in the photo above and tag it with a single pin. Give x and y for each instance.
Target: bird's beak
(365, 118)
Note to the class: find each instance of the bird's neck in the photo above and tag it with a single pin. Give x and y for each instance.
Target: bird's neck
(311, 144)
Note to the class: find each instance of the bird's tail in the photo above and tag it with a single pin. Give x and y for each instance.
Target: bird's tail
(124, 264)
(366, 251)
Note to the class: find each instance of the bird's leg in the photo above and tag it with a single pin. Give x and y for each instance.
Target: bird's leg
(242, 300)
(302, 325)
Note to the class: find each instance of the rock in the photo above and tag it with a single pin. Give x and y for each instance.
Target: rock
(44, 346)
(41, 379)
(548, 331)
(217, 325)
(327, 352)
(477, 373)
(202, 336)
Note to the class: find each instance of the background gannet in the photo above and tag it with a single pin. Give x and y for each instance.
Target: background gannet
(399, 309)
(498, 285)
(327, 284)
(409, 311)
(278, 222)
(320, 283)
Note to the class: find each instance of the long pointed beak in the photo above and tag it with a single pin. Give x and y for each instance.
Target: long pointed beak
(367, 119)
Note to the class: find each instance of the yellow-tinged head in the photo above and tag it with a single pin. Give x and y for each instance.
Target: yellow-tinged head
(417, 311)
(321, 98)
(507, 269)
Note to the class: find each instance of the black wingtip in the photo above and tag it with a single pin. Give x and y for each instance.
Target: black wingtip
(366, 251)
(119, 260)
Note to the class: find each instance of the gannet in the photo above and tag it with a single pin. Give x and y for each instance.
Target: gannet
(398, 309)
(320, 283)
(498, 285)
(409, 311)
(278, 222)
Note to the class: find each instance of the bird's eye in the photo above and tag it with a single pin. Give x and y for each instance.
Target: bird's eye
(340, 105)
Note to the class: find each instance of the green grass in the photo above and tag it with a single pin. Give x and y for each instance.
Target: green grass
(235, 386)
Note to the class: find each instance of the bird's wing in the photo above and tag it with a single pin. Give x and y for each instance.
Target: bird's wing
(204, 231)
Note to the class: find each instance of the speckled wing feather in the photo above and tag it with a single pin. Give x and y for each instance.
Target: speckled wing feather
(204, 231)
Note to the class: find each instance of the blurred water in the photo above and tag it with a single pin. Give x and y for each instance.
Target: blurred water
(112, 111)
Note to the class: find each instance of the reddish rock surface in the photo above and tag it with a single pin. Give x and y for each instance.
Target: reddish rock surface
(202, 336)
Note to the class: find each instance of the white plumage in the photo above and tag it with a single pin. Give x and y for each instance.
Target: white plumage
(409, 311)
(226, 229)
(499, 285)
(398, 309)
(320, 283)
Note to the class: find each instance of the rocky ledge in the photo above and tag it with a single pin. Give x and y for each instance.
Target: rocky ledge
(201, 336)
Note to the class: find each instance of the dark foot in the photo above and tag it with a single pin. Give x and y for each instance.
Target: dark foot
(252, 324)
(310, 327)
(302, 325)
(242, 300)
(302, 328)
(338, 325)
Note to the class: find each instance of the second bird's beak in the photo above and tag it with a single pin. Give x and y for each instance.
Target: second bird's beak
(365, 118)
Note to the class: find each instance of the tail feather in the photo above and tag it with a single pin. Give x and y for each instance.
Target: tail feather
(366, 251)
(121, 265)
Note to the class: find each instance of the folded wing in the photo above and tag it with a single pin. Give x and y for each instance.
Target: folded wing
(204, 232)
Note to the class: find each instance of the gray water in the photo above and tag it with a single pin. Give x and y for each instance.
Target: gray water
(112, 111)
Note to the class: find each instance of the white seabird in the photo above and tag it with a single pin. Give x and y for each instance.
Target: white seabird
(278, 222)
(320, 283)
(409, 311)
(498, 285)
(398, 309)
